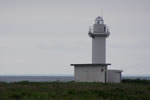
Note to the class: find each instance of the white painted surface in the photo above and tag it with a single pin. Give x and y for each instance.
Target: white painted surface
(90, 73)
(114, 76)
(99, 50)
(99, 28)
(94, 72)
(99, 35)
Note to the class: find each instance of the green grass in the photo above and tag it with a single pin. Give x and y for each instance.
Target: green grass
(128, 90)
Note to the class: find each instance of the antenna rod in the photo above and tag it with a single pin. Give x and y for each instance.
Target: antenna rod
(102, 12)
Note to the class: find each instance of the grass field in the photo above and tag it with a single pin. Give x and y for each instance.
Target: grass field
(127, 90)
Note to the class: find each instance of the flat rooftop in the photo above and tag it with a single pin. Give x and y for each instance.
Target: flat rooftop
(98, 64)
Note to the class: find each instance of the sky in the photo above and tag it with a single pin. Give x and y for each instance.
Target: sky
(46, 36)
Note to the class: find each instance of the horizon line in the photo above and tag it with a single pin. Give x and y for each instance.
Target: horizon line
(126, 75)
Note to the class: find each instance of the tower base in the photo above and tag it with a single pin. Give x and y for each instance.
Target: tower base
(96, 73)
(90, 72)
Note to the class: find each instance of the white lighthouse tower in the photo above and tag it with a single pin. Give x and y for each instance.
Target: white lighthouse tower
(97, 71)
(99, 35)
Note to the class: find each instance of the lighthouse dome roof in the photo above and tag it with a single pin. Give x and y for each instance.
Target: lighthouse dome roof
(98, 18)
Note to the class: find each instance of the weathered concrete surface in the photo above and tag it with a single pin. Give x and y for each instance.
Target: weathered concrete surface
(99, 50)
(90, 73)
(114, 76)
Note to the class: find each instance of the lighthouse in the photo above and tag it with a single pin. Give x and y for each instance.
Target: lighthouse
(97, 71)
(99, 33)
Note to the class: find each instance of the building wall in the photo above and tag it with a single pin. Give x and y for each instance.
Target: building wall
(90, 73)
(98, 50)
(114, 76)
(99, 28)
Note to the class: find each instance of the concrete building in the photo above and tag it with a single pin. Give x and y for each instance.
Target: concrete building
(113, 76)
(90, 72)
(97, 71)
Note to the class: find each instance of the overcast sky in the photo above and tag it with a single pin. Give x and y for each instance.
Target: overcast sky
(46, 36)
